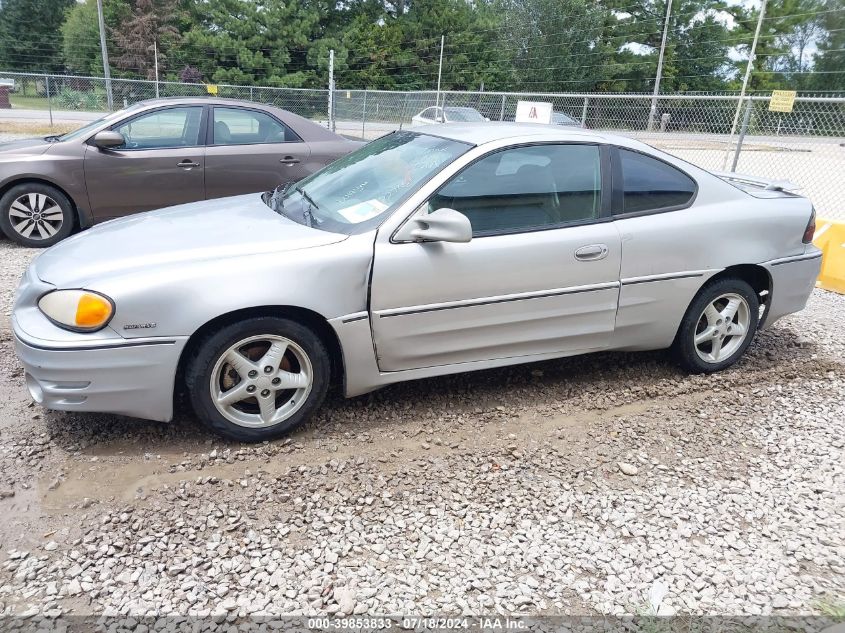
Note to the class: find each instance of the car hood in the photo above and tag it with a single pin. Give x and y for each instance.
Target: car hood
(24, 147)
(211, 229)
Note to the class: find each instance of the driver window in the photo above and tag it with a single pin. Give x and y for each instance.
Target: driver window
(526, 188)
(173, 127)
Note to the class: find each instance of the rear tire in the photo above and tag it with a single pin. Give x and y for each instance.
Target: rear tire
(258, 379)
(36, 215)
(718, 326)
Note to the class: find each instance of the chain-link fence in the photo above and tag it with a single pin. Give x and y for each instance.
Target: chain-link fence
(68, 97)
(806, 146)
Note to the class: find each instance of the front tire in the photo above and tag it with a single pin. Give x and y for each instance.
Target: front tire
(36, 215)
(718, 326)
(258, 379)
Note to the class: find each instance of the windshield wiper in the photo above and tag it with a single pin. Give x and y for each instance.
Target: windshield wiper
(277, 195)
(308, 214)
(53, 138)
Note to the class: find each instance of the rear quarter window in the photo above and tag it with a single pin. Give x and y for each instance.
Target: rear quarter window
(650, 184)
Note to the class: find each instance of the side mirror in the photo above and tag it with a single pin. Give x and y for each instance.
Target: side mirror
(108, 139)
(443, 225)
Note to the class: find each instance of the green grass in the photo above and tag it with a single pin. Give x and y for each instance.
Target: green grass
(832, 608)
(28, 103)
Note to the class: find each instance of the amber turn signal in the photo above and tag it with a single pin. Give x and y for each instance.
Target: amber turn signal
(77, 310)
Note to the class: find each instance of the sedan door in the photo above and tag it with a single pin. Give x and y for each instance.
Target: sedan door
(540, 275)
(161, 164)
(250, 151)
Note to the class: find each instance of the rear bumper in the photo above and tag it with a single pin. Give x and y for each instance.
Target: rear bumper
(793, 280)
(129, 377)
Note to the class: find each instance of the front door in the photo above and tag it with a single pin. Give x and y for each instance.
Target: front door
(251, 151)
(161, 164)
(541, 274)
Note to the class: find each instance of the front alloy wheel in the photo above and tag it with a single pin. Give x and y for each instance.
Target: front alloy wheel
(261, 381)
(259, 378)
(35, 214)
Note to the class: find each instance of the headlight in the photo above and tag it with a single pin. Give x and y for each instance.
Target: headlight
(77, 310)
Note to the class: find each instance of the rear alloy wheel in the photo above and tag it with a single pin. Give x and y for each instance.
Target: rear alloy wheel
(718, 326)
(258, 379)
(35, 215)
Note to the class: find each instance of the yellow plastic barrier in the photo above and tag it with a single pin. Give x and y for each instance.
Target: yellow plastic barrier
(830, 238)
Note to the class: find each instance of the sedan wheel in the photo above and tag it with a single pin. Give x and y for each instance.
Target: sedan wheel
(258, 378)
(718, 327)
(35, 215)
(261, 381)
(722, 328)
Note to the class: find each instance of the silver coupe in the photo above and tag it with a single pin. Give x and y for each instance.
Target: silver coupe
(429, 251)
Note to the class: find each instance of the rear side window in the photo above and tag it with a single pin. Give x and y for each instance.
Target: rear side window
(237, 126)
(650, 184)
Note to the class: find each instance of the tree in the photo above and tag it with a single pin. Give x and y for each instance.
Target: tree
(149, 26)
(775, 44)
(249, 42)
(829, 60)
(28, 30)
(81, 34)
(553, 44)
(696, 53)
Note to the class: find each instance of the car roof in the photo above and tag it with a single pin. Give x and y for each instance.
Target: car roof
(202, 99)
(490, 131)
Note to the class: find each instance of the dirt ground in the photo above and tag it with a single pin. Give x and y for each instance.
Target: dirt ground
(501, 491)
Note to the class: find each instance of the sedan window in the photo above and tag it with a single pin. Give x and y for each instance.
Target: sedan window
(171, 127)
(651, 184)
(237, 126)
(526, 188)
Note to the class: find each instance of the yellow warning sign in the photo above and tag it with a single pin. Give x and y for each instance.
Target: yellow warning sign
(212, 89)
(782, 100)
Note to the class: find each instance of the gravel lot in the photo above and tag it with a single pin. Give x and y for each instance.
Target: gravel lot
(577, 486)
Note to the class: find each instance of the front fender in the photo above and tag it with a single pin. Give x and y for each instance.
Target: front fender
(173, 300)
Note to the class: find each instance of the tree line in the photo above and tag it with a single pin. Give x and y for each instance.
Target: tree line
(515, 45)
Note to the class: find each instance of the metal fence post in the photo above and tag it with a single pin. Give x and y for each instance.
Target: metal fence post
(404, 111)
(745, 119)
(49, 101)
(584, 112)
(330, 105)
(502, 111)
(364, 114)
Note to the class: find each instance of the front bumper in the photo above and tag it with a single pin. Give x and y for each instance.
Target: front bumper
(133, 377)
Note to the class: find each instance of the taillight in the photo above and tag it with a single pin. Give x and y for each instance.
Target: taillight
(811, 229)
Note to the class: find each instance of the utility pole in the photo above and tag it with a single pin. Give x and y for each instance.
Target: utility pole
(106, 72)
(653, 111)
(331, 90)
(440, 69)
(155, 53)
(745, 79)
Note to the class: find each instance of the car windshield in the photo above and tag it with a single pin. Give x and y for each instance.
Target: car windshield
(466, 115)
(562, 119)
(354, 193)
(87, 129)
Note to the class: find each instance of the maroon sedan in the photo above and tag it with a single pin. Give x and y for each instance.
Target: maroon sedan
(154, 154)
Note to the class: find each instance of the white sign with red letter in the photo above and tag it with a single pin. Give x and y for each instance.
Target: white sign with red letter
(533, 112)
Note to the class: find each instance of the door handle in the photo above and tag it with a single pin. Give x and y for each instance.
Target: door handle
(591, 252)
(187, 164)
(288, 160)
